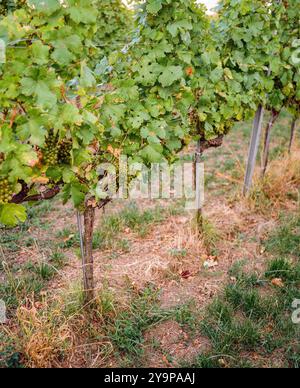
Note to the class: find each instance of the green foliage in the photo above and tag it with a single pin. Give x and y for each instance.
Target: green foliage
(280, 268)
(152, 82)
(49, 94)
(114, 26)
(7, 6)
(16, 290)
(247, 61)
(45, 50)
(127, 329)
(178, 79)
(258, 43)
(285, 240)
(286, 68)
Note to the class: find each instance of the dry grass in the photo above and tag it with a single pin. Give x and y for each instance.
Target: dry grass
(41, 335)
(60, 332)
(280, 187)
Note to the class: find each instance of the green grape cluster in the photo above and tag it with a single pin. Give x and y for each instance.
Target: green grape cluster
(50, 152)
(6, 191)
(64, 152)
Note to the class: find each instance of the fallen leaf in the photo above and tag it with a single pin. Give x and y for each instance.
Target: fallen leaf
(69, 238)
(222, 363)
(166, 361)
(210, 264)
(262, 250)
(277, 283)
(269, 329)
(38, 305)
(186, 274)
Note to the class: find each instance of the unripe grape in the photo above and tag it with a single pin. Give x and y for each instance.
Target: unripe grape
(50, 151)
(6, 191)
(64, 152)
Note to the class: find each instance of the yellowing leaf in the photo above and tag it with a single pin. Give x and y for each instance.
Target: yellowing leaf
(277, 283)
(40, 179)
(114, 151)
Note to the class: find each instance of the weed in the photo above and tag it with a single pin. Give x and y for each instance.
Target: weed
(16, 290)
(58, 259)
(128, 327)
(206, 361)
(186, 317)
(220, 311)
(69, 238)
(280, 268)
(285, 241)
(178, 253)
(210, 235)
(249, 301)
(126, 330)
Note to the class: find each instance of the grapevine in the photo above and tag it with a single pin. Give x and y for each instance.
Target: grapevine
(50, 94)
(114, 26)
(32, 138)
(258, 51)
(151, 105)
(286, 91)
(65, 110)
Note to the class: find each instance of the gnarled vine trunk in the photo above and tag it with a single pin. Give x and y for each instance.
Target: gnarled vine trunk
(293, 131)
(199, 210)
(88, 261)
(267, 142)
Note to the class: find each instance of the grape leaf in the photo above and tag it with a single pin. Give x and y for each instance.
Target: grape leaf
(170, 75)
(11, 214)
(154, 6)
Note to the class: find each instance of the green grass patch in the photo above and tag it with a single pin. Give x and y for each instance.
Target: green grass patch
(285, 241)
(15, 290)
(126, 328)
(108, 234)
(252, 315)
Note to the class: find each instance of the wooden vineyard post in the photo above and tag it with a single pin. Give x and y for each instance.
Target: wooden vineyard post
(267, 142)
(253, 151)
(86, 246)
(197, 183)
(293, 131)
(81, 238)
